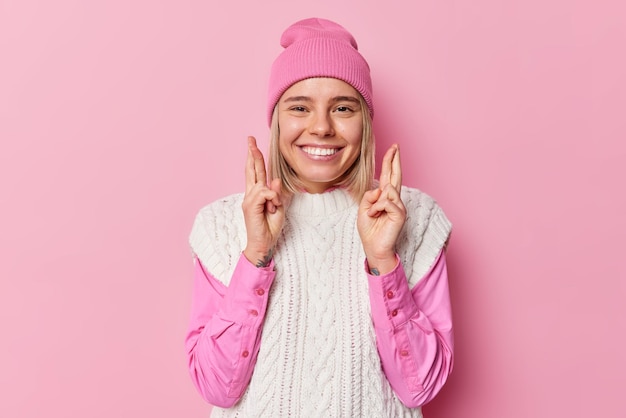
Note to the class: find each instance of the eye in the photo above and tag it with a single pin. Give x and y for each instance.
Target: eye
(344, 109)
(298, 108)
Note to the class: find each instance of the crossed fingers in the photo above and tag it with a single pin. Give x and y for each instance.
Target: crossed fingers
(391, 171)
(255, 166)
(387, 197)
(256, 178)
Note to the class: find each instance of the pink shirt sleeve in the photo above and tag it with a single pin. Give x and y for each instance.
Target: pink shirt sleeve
(413, 331)
(225, 329)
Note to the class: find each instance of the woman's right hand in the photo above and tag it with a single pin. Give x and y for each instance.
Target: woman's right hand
(263, 209)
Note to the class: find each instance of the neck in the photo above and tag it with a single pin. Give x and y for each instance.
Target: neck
(331, 201)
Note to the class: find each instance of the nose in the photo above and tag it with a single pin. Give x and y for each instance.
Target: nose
(321, 125)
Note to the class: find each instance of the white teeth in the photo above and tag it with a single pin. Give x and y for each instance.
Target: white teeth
(319, 151)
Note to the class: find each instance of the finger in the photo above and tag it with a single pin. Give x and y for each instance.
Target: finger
(384, 206)
(273, 204)
(388, 194)
(256, 201)
(250, 175)
(385, 171)
(396, 170)
(259, 162)
(370, 197)
(276, 186)
(391, 193)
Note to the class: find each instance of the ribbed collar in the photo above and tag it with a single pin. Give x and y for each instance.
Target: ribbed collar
(321, 204)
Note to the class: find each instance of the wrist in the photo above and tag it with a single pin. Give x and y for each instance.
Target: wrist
(381, 265)
(259, 258)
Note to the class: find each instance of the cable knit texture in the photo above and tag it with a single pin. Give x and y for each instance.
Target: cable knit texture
(318, 354)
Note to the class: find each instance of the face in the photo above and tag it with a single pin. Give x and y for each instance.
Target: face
(321, 127)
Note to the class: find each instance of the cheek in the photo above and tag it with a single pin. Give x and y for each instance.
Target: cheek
(351, 132)
(288, 131)
(285, 147)
(285, 137)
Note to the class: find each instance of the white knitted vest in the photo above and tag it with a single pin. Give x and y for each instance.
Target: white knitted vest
(318, 353)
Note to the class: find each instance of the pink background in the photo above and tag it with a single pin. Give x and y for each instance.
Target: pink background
(120, 119)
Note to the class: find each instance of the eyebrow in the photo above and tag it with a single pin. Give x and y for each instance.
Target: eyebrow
(334, 99)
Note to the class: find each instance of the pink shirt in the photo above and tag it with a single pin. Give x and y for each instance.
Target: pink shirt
(413, 330)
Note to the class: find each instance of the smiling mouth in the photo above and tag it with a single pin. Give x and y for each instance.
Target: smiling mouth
(320, 151)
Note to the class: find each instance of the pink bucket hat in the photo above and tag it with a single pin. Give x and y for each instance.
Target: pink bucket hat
(318, 48)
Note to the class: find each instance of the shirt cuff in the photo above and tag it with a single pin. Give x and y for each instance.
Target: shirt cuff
(246, 297)
(390, 297)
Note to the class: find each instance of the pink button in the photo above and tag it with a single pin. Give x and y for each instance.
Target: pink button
(404, 353)
(389, 294)
(394, 312)
(254, 312)
(260, 292)
(245, 353)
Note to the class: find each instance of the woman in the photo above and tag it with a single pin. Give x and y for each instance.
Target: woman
(320, 292)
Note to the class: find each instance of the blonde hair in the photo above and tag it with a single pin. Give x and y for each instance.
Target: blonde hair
(357, 179)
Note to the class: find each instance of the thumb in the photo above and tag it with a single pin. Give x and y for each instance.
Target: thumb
(369, 200)
(272, 205)
(370, 197)
(276, 186)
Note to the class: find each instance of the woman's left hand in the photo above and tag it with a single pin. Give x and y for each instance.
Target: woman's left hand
(382, 215)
